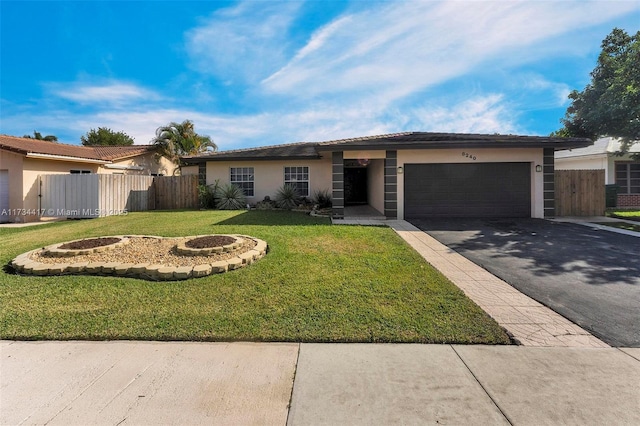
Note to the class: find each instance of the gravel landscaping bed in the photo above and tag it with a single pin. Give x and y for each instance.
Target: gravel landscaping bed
(148, 250)
(141, 256)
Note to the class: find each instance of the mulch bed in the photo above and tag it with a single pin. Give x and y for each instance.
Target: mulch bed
(91, 243)
(210, 241)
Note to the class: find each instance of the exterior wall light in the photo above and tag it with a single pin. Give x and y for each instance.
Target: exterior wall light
(538, 168)
(400, 170)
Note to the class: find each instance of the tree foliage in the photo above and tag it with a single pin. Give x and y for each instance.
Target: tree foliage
(610, 104)
(106, 136)
(177, 139)
(38, 136)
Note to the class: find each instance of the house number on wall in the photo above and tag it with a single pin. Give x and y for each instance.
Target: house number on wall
(471, 156)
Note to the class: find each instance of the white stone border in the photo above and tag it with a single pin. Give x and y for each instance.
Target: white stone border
(155, 272)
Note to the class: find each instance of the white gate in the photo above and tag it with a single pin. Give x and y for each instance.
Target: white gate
(93, 195)
(73, 196)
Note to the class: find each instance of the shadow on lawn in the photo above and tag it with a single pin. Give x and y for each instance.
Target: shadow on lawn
(513, 248)
(274, 218)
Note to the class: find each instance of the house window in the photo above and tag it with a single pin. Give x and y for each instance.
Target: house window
(80, 172)
(243, 177)
(628, 178)
(202, 173)
(298, 177)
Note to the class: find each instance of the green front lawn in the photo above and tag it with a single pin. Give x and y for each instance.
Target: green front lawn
(621, 225)
(625, 214)
(318, 283)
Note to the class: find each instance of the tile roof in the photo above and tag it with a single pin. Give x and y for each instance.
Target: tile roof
(410, 140)
(106, 153)
(404, 140)
(117, 152)
(293, 151)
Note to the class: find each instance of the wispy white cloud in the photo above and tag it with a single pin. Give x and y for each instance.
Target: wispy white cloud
(244, 42)
(402, 47)
(482, 114)
(111, 92)
(558, 92)
(318, 122)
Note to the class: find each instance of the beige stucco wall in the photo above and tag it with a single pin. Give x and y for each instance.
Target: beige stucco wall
(189, 170)
(375, 185)
(269, 175)
(12, 162)
(528, 155)
(364, 155)
(152, 163)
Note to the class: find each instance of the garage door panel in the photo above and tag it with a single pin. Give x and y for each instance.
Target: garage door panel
(467, 190)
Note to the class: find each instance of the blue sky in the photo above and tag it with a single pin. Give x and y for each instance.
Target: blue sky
(254, 73)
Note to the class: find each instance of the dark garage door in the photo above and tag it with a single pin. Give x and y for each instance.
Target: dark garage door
(467, 190)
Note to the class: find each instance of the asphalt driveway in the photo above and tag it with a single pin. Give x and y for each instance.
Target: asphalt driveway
(591, 277)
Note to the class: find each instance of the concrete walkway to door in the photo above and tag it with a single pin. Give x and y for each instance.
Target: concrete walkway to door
(529, 322)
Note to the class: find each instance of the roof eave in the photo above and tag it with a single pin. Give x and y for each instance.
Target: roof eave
(456, 144)
(14, 149)
(198, 160)
(65, 158)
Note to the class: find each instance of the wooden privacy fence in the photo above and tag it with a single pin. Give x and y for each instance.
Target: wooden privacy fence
(176, 192)
(579, 192)
(98, 195)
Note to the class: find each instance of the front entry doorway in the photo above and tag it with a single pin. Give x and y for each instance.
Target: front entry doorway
(355, 186)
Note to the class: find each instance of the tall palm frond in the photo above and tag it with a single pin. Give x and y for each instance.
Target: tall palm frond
(177, 139)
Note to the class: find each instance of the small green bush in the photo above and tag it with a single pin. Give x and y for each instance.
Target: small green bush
(230, 197)
(322, 197)
(287, 197)
(266, 204)
(206, 196)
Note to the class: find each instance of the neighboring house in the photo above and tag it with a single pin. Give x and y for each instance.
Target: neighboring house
(403, 175)
(22, 160)
(621, 170)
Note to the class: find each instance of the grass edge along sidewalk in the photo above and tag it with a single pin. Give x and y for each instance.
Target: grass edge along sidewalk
(318, 283)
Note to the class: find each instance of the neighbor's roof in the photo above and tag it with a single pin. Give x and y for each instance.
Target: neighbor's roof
(601, 146)
(393, 141)
(119, 152)
(105, 153)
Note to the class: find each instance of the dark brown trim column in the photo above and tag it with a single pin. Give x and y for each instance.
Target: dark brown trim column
(391, 185)
(337, 165)
(549, 182)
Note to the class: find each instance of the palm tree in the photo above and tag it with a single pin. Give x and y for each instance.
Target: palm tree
(38, 136)
(177, 139)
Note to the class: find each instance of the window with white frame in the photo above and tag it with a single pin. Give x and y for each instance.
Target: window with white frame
(628, 178)
(243, 177)
(298, 177)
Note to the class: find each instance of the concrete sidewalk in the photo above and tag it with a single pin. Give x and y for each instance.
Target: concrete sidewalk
(148, 383)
